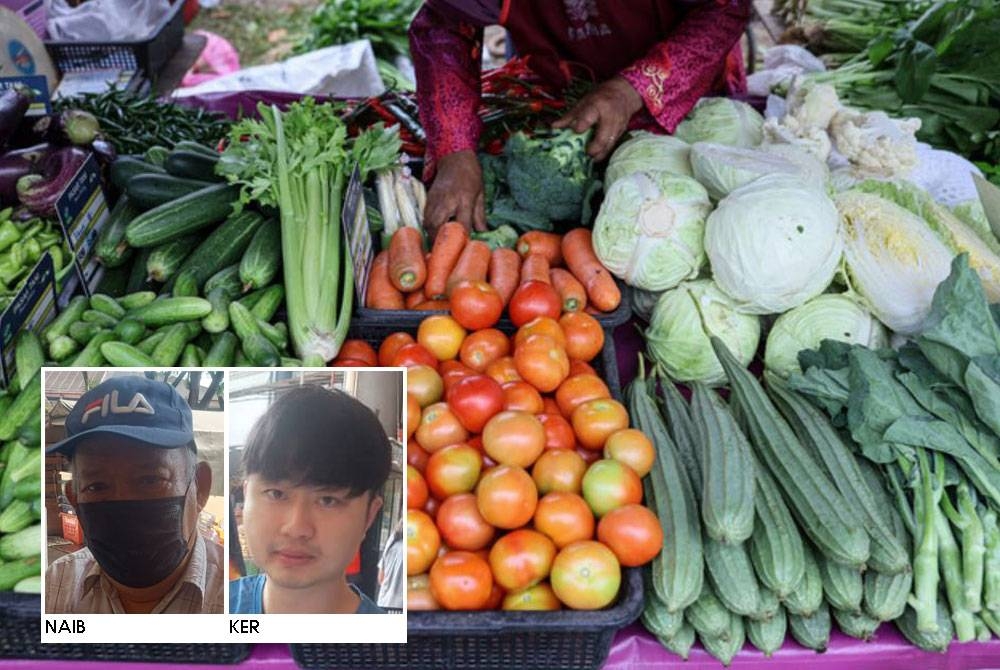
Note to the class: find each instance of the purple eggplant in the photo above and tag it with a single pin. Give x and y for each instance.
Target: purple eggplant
(104, 150)
(14, 103)
(39, 192)
(18, 162)
(72, 125)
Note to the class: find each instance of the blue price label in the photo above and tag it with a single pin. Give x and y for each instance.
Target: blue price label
(83, 213)
(32, 308)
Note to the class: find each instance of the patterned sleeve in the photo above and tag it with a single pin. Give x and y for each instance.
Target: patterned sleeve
(700, 51)
(446, 57)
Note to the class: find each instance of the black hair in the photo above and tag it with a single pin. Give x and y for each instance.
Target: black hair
(314, 436)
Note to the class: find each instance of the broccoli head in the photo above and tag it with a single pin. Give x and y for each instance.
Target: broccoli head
(549, 173)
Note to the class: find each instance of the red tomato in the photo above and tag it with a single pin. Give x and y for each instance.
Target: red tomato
(523, 397)
(521, 559)
(633, 532)
(461, 580)
(439, 427)
(506, 496)
(496, 595)
(541, 362)
(484, 347)
(558, 433)
(416, 455)
(475, 400)
(475, 304)
(533, 299)
(416, 488)
(559, 470)
(339, 362)
(422, 542)
(441, 335)
(424, 382)
(609, 484)
(453, 469)
(390, 345)
(578, 367)
(584, 335)
(550, 406)
(595, 420)
(541, 325)
(514, 438)
(461, 524)
(452, 372)
(358, 350)
(412, 354)
(413, 411)
(537, 598)
(578, 389)
(418, 594)
(503, 370)
(589, 455)
(564, 518)
(586, 575)
(633, 448)
(432, 507)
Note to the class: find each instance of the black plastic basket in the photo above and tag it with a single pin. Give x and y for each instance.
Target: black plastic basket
(408, 318)
(564, 640)
(148, 55)
(20, 638)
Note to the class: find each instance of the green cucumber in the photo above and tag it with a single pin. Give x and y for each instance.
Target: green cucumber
(732, 575)
(218, 319)
(856, 624)
(726, 647)
(182, 217)
(843, 586)
(63, 347)
(812, 632)
(223, 351)
(655, 616)
(776, 549)
(149, 344)
(769, 634)
(125, 167)
(171, 310)
(256, 346)
(28, 490)
(112, 250)
(108, 305)
(19, 570)
(138, 280)
(192, 165)
(27, 403)
(100, 318)
(224, 246)
(268, 303)
(262, 258)
(72, 313)
(185, 284)
(29, 357)
(681, 643)
(191, 358)
(166, 259)
(137, 299)
(25, 543)
(805, 599)
(169, 350)
(277, 336)
(30, 432)
(240, 359)
(129, 331)
(228, 279)
(18, 514)
(152, 190)
(707, 614)
(123, 355)
(90, 356)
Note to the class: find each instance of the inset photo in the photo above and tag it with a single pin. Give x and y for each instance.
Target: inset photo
(134, 491)
(317, 491)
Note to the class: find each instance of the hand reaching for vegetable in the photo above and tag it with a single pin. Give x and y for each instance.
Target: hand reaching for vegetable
(609, 107)
(457, 193)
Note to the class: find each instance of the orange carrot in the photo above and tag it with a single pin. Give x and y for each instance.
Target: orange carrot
(571, 291)
(448, 246)
(472, 264)
(407, 268)
(535, 267)
(381, 294)
(432, 305)
(505, 272)
(413, 299)
(578, 251)
(539, 242)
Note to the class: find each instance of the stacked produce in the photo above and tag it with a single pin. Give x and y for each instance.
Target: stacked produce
(20, 481)
(522, 466)
(22, 243)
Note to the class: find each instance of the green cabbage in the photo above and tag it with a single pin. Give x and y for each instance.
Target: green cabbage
(723, 121)
(722, 169)
(643, 302)
(774, 244)
(646, 151)
(650, 229)
(826, 317)
(894, 260)
(680, 326)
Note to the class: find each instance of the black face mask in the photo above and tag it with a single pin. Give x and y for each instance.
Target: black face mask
(136, 542)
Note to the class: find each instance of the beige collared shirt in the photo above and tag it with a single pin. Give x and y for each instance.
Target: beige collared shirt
(75, 584)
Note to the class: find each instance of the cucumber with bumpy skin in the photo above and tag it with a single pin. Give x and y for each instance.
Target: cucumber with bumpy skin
(25, 404)
(725, 648)
(171, 310)
(29, 357)
(776, 545)
(218, 319)
(90, 356)
(63, 347)
(182, 216)
(136, 299)
(123, 355)
(108, 305)
(223, 246)
(680, 643)
(939, 641)
(166, 259)
(169, 350)
(805, 598)
(855, 624)
(256, 346)
(812, 631)
(768, 634)
(732, 575)
(655, 616)
(262, 258)
(708, 615)
(71, 314)
(112, 250)
(129, 331)
(843, 586)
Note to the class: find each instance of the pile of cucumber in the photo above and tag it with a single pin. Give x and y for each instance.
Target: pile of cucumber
(20, 470)
(773, 525)
(189, 276)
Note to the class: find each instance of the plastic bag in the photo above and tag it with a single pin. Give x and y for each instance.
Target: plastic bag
(105, 20)
(218, 58)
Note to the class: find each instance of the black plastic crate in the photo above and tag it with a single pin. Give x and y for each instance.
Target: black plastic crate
(20, 638)
(563, 640)
(148, 55)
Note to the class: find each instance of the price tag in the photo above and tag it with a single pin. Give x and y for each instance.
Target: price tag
(83, 213)
(354, 219)
(33, 308)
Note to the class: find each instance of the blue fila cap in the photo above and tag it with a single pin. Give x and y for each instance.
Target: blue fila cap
(133, 407)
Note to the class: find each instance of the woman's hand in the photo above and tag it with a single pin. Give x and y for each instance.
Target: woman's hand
(457, 193)
(609, 107)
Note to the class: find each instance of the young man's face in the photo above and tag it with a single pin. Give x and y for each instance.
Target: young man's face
(304, 536)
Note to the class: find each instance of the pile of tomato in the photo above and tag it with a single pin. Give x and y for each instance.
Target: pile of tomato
(523, 480)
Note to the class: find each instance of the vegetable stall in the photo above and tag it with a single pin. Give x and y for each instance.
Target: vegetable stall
(731, 397)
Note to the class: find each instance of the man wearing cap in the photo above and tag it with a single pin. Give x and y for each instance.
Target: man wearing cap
(137, 488)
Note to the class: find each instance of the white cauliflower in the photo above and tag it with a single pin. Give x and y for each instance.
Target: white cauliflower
(814, 106)
(804, 123)
(789, 131)
(874, 144)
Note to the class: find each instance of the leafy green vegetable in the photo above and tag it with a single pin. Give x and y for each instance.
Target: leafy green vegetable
(550, 174)
(382, 22)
